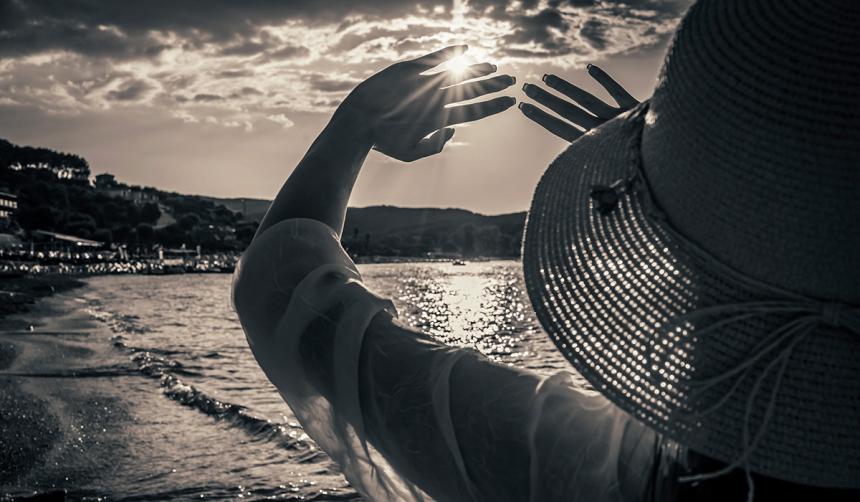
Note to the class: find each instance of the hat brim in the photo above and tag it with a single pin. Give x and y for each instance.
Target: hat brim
(605, 286)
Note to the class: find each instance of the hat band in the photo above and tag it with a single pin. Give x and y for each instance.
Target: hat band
(774, 351)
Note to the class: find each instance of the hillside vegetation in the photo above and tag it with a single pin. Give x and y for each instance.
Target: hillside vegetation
(55, 194)
(400, 231)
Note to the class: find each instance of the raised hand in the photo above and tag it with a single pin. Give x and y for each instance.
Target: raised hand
(586, 111)
(402, 104)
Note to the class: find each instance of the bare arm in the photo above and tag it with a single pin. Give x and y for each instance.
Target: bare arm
(393, 111)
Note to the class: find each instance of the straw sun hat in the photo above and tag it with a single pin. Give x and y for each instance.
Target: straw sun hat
(698, 258)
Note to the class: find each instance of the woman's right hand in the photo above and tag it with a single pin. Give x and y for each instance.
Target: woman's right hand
(401, 105)
(590, 113)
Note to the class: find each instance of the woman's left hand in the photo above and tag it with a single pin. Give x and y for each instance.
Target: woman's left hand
(402, 104)
(586, 110)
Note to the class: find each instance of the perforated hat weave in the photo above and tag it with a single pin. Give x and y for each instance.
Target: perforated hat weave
(698, 259)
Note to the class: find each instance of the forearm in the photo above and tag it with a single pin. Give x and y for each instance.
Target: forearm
(489, 409)
(320, 186)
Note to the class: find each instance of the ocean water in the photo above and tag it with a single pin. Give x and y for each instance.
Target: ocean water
(162, 399)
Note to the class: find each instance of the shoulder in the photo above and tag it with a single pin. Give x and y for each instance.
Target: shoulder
(276, 262)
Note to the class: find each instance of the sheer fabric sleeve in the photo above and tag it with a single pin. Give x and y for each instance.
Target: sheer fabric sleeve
(583, 447)
(407, 418)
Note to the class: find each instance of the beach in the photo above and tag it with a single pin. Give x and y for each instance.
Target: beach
(143, 388)
(28, 428)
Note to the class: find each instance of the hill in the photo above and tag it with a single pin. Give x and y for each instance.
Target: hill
(54, 193)
(401, 231)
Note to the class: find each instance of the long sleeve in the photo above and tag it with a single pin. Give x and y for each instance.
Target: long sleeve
(407, 418)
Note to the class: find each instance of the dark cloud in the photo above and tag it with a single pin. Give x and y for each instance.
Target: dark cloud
(289, 52)
(132, 90)
(207, 98)
(552, 31)
(50, 34)
(239, 58)
(594, 33)
(246, 48)
(537, 28)
(325, 83)
(245, 92)
(234, 73)
(126, 29)
(352, 40)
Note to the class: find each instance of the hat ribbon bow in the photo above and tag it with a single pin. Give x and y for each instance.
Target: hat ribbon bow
(804, 317)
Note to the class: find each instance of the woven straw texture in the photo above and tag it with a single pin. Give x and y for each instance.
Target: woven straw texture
(750, 151)
(605, 288)
(759, 102)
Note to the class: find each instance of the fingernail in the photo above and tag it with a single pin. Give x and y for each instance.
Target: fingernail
(520, 106)
(529, 89)
(511, 100)
(589, 66)
(545, 76)
(513, 79)
(494, 67)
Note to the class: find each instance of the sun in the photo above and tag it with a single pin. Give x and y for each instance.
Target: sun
(458, 64)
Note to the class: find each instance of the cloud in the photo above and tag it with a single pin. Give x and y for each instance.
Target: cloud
(132, 90)
(207, 98)
(281, 119)
(289, 52)
(327, 83)
(238, 63)
(594, 32)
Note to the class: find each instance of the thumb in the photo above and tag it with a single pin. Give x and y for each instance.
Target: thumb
(433, 144)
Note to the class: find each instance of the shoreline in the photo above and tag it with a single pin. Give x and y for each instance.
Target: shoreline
(20, 294)
(29, 430)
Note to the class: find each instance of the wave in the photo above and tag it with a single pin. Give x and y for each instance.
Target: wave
(118, 323)
(163, 365)
(94, 372)
(202, 492)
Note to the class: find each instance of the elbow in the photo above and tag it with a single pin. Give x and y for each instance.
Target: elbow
(256, 295)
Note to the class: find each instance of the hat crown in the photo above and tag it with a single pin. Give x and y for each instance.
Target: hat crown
(752, 140)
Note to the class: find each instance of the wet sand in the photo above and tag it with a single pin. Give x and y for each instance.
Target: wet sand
(29, 428)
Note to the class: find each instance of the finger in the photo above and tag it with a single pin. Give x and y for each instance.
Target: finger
(583, 98)
(621, 96)
(556, 126)
(432, 144)
(476, 111)
(472, 90)
(567, 110)
(453, 77)
(436, 58)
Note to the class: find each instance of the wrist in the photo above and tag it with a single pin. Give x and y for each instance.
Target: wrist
(352, 125)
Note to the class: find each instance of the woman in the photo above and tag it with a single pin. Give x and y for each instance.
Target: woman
(695, 259)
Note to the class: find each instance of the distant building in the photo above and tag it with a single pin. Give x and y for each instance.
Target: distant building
(8, 205)
(138, 197)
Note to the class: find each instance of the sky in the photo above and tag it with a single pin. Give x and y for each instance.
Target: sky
(223, 97)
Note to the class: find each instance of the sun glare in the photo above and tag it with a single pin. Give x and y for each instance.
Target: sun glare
(459, 64)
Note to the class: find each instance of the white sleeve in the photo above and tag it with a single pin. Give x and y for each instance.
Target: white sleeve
(295, 281)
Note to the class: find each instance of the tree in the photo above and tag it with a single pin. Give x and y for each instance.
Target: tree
(468, 247)
(150, 213)
(189, 221)
(145, 233)
(81, 225)
(103, 235)
(245, 233)
(41, 217)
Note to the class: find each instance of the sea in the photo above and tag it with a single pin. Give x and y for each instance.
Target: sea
(161, 398)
